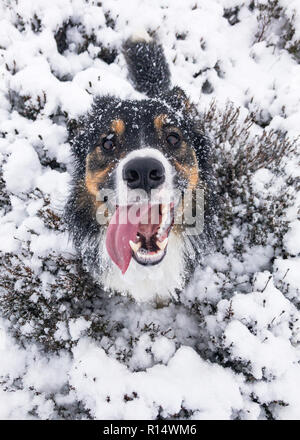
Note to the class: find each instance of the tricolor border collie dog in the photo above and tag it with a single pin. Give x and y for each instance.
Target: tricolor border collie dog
(141, 205)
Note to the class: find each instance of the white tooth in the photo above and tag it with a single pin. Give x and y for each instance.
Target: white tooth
(164, 209)
(135, 246)
(164, 218)
(159, 232)
(162, 244)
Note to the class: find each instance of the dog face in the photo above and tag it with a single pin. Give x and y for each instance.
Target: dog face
(133, 160)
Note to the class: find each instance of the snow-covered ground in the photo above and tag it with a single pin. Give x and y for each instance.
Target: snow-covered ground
(230, 347)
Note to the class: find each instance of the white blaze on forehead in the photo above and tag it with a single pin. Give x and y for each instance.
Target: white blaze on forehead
(163, 194)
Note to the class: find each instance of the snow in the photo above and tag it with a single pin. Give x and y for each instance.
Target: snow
(229, 348)
(13, 171)
(187, 378)
(292, 238)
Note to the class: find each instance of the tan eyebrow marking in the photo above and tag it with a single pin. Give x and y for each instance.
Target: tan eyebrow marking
(118, 126)
(159, 121)
(93, 178)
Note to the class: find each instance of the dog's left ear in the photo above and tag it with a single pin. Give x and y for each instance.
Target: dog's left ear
(177, 98)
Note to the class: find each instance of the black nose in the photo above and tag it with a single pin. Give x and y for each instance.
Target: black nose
(144, 173)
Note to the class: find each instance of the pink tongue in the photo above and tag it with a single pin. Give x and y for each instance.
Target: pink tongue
(121, 229)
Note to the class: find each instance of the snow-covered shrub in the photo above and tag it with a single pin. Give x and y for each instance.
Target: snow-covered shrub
(254, 188)
(229, 348)
(278, 25)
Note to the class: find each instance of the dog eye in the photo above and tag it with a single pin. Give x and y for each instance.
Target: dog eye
(173, 139)
(108, 143)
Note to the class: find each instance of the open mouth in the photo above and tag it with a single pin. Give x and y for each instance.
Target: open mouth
(152, 236)
(141, 232)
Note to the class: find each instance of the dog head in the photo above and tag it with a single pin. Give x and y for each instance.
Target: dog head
(141, 173)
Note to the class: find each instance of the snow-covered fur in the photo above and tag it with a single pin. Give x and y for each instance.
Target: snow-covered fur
(140, 129)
